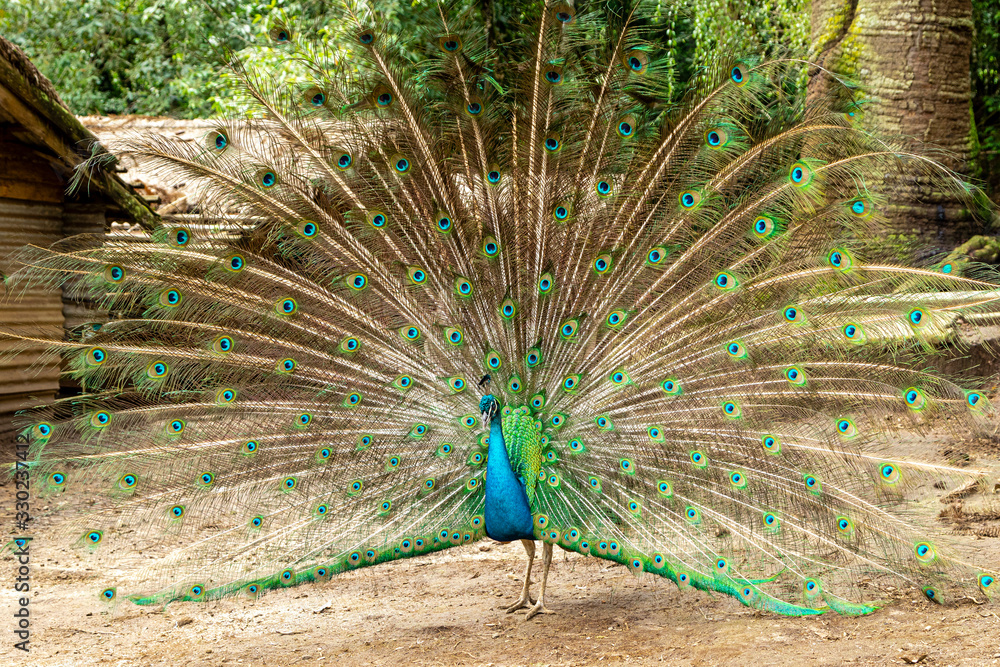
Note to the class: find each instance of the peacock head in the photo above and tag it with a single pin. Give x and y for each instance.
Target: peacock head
(490, 407)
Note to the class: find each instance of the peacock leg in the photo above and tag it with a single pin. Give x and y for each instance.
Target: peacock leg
(525, 601)
(539, 607)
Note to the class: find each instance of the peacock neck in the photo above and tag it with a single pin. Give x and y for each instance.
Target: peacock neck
(508, 514)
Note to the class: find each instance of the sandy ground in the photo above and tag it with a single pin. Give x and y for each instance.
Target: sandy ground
(447, 609)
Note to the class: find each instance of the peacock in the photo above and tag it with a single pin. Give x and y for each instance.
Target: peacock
(522, 294)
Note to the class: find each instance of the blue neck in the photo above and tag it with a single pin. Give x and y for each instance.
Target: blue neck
(508, 516)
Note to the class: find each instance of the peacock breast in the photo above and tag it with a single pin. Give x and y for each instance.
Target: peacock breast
(522, 435)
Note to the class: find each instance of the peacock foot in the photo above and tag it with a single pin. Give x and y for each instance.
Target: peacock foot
(538, 608)
(524, 603)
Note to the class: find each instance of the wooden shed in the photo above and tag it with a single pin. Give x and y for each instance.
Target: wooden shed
(41, 143)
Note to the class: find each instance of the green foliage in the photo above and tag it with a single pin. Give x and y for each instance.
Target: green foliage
(986, 90)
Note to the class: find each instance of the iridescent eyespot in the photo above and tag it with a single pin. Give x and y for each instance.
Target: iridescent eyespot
(400, 164)
(457, 383)
(376, 219)
(317, 99)
(771, 522)
(95, 356)
(444, 223)
(533, 357)
(615, 318)
(508, 309)
(127, 482)
(726, 281)
(737, 75)
(975, 400)
(57, 479)
(924, 553)
(537, 401)
(515, 384)
(225, 396)
(860, 208)
(287, 306)
(763, 227)
(176, 427)
(840, 259)
(771, 444)
(545, 283)
(563, 13)
(636, 61)
(689, 199)
(267, 179)
(157, 370)
(554, 75)
(846, 428)
(813, 484)
(366, 37)
(418, 430)
(568, 328)
(576, 445)
(671, 387)
(800, 174)
(570, 382)
(383, 97)
(716, 138)
(364, 442)
(410, 333)
(853, 333)
(595, 484)
(655, 433)
(736, 350)
(795, 376)
(450, 43)
(474, 107)
(177, 511)
(490, 246)
(114, 273)
(915, 399)
(463, 287)
(656, 255)
(353, 399)
(257, 521)
(304, 419)
(249, 447)
(698, 459)
(561, 212)
(986, 583)
(206, 478)
(217, 140)
(603, 422)
(692, 515)
(794, 315)
(453, 335)
(811, 589)
(603, 264)
(179, 237)
(604, 188)
(619, 378)
(171, 298)
(917, 317)
(845, 526)
(285, 365)
(626, 126)
(665, 489)
(493, 177)
(552, 143)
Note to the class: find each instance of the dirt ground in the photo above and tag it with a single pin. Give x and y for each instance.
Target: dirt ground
(447, 609)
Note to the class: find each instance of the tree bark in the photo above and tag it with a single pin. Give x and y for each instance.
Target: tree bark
(912, 59)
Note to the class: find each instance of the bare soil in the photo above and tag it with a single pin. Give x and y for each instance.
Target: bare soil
(448, 609)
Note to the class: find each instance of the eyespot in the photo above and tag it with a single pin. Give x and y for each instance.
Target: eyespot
(794, 315)
(157, 370)
(490, 246)
(357, 281)
(285, 365)
(552, 143)
(304, 419)
(364, 442)
(637, 62)
(95, 356)
(738, 480)
(889, 473)
(771, 522)
(545, 283)
(595, 484)
(418, 430)
(376, 219)
(508, 309)
(576, 445)
(171, 298)
(726, 281)
(604, 188)
(225, 396)
(764, 227)
(177, 511)
(692, 515)
(114, 273)
(537, 401)
(619, 378)
(179, 237)
(698, 459)
(800, 174)
(736, 350)
(603, 264)
(917, 317)
(811, 589)
(568, 328)
(280, 34)
(615, 318)
(846, 428)
(840, 259)
(671, 387)
(533, 357)
(570, 382)
(771, 444)
(853, 332)
(307, 229)
(493, 176)
(976, 401)
(860, 208)
(57, 479)
(795, 376)
(655, 433)
(738, 75)
(813, 484)
(915, 399)
(515, 384)
(626, 126)
(562, 212)
(353, 400)
(845, 526)
(217, 140)
(286, 306)
(382, 97)
(266, 179)
(469, 421)
(656, 256)
(474, 106)
(249, 447)
(410, 332)
(457, 383)
(108, 594)
(554, 74)
(450, 43)
(176, 427)
(366, 37)
(604, 423)
(689, 199)
(453, 336)
(563, 14)
(315, 97)
(206, 478)
(127, 482)
(924, 553)
(400, 164)
(463, 288)
(987, 584)
(716, 138)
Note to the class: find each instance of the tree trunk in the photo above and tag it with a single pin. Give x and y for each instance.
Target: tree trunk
(912, 59)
